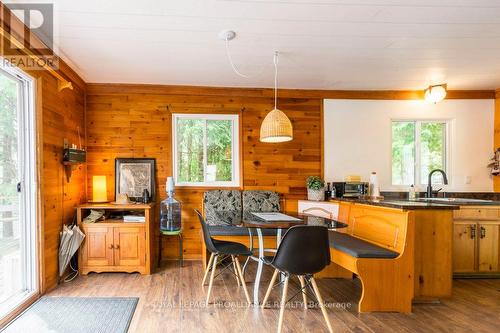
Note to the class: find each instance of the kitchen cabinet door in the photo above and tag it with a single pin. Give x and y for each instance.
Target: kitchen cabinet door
(97, 245)
(488, 246)
(130, 246)
(464, 246)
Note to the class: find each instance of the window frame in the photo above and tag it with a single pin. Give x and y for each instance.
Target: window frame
(235, 149)
(417, 169)
(28, 217)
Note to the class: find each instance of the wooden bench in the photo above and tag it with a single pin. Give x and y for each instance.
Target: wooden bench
(378, 247)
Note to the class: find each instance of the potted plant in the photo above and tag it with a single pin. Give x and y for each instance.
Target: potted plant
(315, 188)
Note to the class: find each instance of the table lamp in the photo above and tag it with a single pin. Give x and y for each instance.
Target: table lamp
(99, 189)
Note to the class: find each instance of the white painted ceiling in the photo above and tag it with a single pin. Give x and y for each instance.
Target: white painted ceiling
(324, 44)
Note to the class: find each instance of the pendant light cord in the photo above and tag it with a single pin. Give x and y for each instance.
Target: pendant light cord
(275, 79)
(275, 60)
(235, 69)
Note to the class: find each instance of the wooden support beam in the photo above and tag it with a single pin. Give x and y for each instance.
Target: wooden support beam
(62, 82)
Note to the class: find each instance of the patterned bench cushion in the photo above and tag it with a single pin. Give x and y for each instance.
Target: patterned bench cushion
(228, 201)
(261, 201)
(224, 209)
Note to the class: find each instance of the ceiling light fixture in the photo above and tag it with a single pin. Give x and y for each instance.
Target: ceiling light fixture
(435, 93)
(276, 126)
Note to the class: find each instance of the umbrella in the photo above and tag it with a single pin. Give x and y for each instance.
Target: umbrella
(71, 238)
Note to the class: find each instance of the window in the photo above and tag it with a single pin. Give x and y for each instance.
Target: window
(206, 150)
(418, 147)
(18, 259)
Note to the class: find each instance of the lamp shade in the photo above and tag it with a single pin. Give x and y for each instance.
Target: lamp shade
(99, 189)
(435, 94)
(276, 127)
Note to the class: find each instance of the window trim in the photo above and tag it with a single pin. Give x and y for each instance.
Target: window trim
(235, 151)
(447, 147)
(28, 168)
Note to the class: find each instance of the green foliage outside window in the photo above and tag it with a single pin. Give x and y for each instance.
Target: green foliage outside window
(191, 164)
(8, 140)
(431, 150)
(219, 153)
(190, 150)
(403, 152)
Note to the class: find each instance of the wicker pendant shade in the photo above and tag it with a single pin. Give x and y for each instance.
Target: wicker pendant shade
(276, 127)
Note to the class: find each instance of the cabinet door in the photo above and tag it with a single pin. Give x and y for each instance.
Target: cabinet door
(488, 246)
(464, 245)
(97, 246)
(130, 246)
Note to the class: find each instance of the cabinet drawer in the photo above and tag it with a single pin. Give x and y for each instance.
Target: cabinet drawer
(477, 213)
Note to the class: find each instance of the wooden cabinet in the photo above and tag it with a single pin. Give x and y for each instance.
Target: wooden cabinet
(488, 247)
(98, 248)
(464, 246)
(129, 246)
(476, 241)
(114, 245)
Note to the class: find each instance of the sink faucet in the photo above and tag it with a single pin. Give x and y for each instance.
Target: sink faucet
(429, 182)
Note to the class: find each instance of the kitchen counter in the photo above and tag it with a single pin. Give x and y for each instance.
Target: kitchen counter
(401, 204)
(462, 202)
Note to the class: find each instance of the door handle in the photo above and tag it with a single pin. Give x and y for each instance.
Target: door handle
(111, 246)
(472, 231)
(483, 232)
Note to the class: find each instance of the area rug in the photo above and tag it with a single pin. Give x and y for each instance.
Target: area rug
(76, 314)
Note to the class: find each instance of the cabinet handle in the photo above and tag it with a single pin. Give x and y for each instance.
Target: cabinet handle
(117, 247)
(483, 232)
(111, 246)
(472, 231)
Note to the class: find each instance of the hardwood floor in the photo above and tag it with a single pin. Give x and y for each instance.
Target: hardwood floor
(171, 300)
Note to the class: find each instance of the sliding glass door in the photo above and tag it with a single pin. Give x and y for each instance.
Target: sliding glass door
(18, 261)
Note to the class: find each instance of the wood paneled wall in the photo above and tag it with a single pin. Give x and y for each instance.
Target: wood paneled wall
(59, 115)
(135, 121)
(63, 117)
(496, 179)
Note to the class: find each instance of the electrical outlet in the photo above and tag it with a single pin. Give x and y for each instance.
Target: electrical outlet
(468, 179)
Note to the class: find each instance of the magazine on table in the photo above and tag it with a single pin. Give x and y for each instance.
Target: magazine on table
(275, 216)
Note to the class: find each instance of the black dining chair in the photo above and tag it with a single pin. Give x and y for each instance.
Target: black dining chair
(303, 251)
(219, 251)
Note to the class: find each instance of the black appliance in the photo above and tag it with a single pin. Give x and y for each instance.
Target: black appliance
(350, 189)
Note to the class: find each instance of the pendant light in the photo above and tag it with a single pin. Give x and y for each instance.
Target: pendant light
(276, 126)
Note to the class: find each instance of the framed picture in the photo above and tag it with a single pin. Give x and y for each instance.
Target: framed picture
(133, 176)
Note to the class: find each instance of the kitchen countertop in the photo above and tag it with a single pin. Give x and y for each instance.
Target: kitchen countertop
(402, 204)
(460, 202)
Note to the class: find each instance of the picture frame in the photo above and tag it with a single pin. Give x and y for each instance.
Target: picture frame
(133, 175)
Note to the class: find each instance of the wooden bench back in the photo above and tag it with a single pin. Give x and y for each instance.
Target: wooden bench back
(381, 226)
